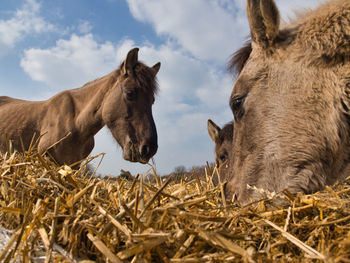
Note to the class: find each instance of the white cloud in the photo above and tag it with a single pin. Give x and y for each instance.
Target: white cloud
(84, 27)
(71, 62)
(25, 21)
(206, 29)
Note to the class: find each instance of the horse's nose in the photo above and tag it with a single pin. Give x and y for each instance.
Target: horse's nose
(144, 150)
(147, 150)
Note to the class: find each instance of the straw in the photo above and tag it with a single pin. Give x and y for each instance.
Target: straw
(58, 214)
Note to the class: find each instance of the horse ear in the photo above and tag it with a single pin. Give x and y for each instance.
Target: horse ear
(264, 20)
(156, 68)
(130, 61)
(213, 130)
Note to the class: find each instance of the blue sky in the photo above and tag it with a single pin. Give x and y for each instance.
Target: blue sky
(49, 46)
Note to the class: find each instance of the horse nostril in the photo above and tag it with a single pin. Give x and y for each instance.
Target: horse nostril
(144, 150)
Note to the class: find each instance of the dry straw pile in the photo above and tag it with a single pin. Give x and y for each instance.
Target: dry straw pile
(56, 214)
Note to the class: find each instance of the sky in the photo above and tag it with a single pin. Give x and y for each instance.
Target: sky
(50, 46)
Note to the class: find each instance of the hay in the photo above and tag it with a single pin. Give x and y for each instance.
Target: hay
(57, 214)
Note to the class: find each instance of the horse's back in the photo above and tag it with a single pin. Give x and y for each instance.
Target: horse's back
(19, 120)
(12, 106)
(5, 100)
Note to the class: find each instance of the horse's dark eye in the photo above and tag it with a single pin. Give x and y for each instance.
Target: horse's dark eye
(223, 157)
(236, 104)
(130, 95)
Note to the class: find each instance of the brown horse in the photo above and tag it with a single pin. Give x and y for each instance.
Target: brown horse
(223, 143)
(291, 101)
(122, 100)
(222, 139)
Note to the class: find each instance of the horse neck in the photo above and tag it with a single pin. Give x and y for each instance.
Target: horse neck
(89, 101)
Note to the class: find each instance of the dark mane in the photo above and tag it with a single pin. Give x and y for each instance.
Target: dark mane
(239, 58)
(110, 77)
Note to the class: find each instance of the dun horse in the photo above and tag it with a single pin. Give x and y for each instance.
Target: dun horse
(222, 137)
(291, 101)
(122, 100)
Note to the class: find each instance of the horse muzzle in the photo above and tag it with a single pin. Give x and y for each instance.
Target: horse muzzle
(141, 154)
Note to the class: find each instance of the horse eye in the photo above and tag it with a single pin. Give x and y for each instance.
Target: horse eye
(236, 106)
(130, 95)
(223, 157)
(237, 103)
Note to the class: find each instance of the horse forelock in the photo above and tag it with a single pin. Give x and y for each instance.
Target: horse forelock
(239, 58)
(147, 79)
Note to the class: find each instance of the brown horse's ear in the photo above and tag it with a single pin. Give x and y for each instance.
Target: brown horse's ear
(156, 68)
(130, 61)
(264, 20)
(213, 130)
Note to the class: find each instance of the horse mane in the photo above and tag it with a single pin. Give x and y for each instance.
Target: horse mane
(110, 77)
(144, 75)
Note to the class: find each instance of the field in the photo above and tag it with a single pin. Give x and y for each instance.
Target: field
(56, 214)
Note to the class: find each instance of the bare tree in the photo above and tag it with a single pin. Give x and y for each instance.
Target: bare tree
(181, 169)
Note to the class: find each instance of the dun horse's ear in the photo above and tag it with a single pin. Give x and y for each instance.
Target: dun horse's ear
(264, 20)
(213, 130)
(156, 68)
(130, 61)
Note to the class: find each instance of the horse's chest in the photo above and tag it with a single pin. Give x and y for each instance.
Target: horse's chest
(80, 146)
(70, 149)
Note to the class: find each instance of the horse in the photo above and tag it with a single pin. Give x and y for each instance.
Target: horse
(291, 102)
(222, 137)
(64, 125)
